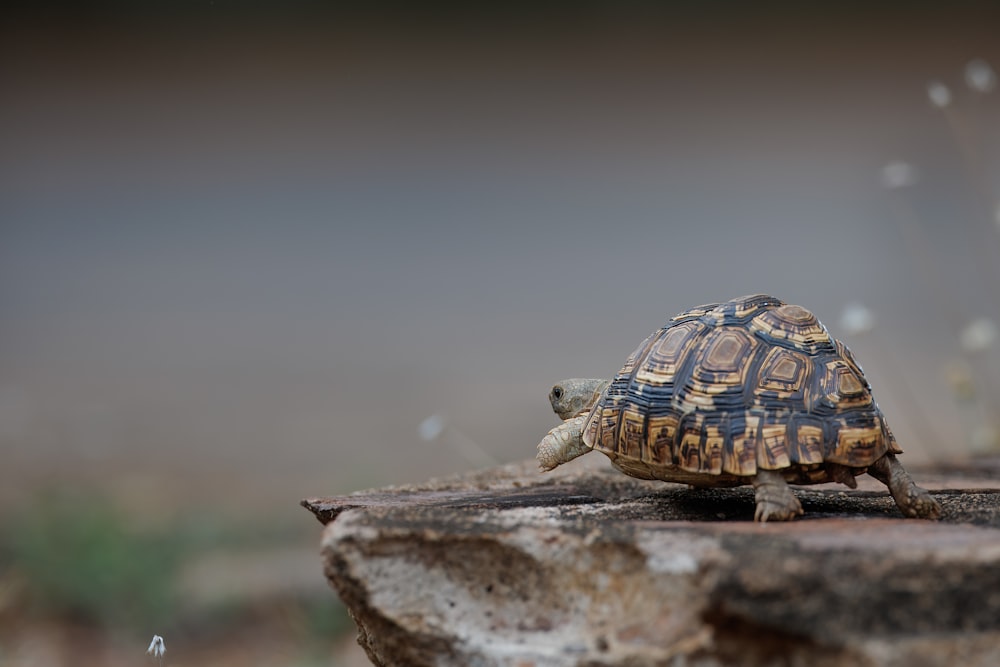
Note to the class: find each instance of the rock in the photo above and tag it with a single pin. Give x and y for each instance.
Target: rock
(585, 566)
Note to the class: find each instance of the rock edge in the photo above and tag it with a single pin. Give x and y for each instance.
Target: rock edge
(586, 566)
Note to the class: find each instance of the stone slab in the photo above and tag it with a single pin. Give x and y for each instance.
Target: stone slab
(585, 566)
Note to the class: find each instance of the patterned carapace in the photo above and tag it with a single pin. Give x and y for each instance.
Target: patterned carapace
(727, 389)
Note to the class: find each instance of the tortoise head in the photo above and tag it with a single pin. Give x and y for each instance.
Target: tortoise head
(575, 396)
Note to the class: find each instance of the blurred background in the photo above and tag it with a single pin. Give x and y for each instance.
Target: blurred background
(254, 252)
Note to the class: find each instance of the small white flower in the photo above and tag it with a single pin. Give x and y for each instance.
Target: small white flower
(979, 76)
(857, 319)
(939, 94)
(431, 428)
(898, 174)
(979, 335)
(157, 647)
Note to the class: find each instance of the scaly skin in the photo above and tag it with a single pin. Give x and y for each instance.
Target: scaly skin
(572, 400)
(563, 443)
(912, 500)
(775, 501)
(576, 396)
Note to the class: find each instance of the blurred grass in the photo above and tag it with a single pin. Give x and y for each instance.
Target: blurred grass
(78, 559)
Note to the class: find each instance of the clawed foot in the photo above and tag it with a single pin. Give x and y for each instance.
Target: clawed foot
(918, 503)
(913, 501)
(775, 501)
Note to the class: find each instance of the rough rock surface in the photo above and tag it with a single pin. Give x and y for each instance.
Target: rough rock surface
(586, 566)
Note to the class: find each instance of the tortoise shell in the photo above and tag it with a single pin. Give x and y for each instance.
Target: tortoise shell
(726, 389)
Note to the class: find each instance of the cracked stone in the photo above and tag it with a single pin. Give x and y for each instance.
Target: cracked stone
(585, 566)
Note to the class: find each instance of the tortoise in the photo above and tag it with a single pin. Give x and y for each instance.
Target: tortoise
(750, 391)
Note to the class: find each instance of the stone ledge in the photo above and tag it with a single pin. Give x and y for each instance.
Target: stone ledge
(586, 566)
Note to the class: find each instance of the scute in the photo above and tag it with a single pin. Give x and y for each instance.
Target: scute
(666, 353)
(793, 327)
(696, 312)
(843, 388)
(783, 380)
(661, 434)
(725, 353)
(726, 389)
(739, 310)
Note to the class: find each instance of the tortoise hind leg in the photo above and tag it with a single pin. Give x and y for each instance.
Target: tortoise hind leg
(775, 501)
(911, 499)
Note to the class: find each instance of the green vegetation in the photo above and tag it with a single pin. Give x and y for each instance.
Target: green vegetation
(81, 559)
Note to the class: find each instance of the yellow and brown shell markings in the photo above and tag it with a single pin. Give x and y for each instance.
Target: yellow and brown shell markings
(729, 389)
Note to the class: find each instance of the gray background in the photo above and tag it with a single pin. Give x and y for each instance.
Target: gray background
(244, 255)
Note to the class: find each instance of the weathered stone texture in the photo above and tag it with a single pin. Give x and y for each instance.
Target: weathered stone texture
(586, 566)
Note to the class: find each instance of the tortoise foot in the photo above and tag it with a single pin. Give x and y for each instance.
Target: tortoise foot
(913, 501)
(775, 501)
(919, 504)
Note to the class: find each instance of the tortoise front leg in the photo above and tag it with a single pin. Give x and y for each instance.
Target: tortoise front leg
(775, 501)
(912, 500)
(563, 443)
